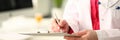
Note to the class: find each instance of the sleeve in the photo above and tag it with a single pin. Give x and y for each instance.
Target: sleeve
(111, 34)
(71, 15)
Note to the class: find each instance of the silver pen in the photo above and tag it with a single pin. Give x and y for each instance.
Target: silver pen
(57, 21)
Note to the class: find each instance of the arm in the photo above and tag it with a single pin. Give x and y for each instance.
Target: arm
(71, 15)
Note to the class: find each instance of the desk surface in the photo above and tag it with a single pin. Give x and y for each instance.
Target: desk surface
(22, 25)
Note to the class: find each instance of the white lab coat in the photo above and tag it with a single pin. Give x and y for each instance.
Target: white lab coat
(77, 14)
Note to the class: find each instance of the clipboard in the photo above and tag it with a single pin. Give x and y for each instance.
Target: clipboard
(49, 34)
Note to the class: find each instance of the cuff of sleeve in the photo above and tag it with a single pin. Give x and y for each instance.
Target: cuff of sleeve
(70, 31)
(101, 34)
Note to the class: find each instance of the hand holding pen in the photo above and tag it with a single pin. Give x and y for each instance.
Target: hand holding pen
(58, 22)
(59, 25)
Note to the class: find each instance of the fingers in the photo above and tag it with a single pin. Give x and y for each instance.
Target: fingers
(79, 35)
(55, 26)
(71, 38)
(65, 28)
(62, 23)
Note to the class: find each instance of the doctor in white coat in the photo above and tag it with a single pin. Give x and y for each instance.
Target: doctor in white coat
(77, 16)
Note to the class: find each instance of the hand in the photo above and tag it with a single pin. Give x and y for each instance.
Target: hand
(62, 25)
(84, 35)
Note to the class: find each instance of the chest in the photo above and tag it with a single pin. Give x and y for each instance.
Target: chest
(109, 12)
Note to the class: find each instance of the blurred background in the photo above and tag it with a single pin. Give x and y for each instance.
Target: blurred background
(18, 16)
(12, 8)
